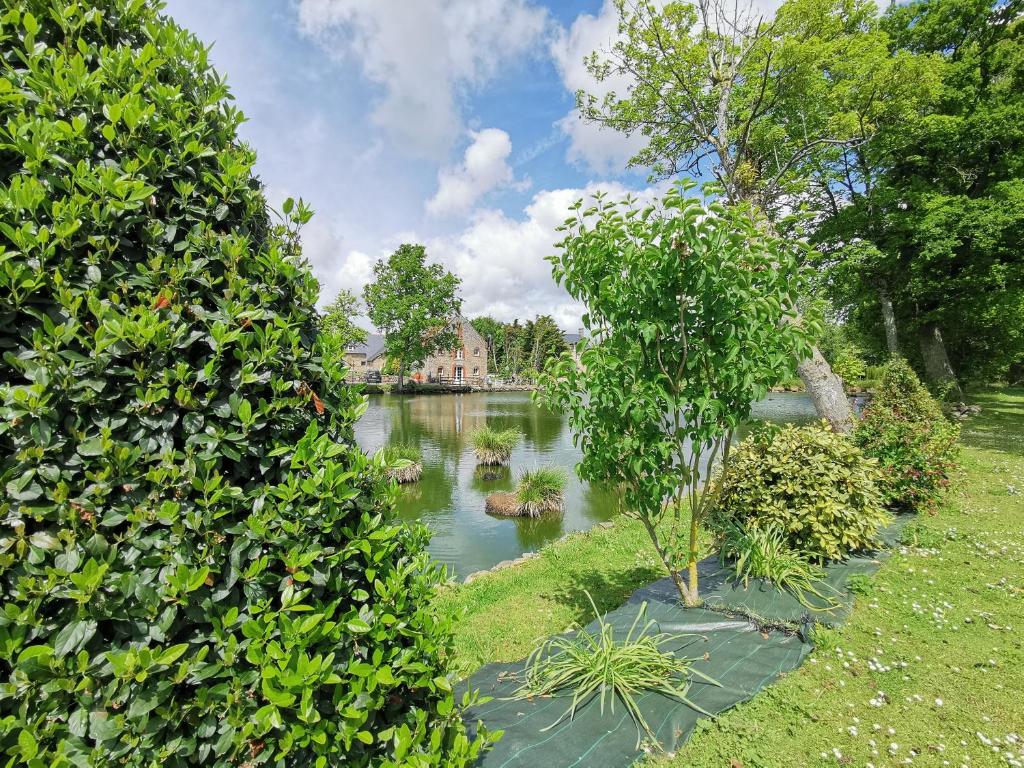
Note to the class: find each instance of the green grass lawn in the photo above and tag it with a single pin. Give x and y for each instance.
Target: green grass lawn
(929, 671)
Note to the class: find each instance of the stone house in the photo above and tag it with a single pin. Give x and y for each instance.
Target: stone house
(368, 356)
(466, 364)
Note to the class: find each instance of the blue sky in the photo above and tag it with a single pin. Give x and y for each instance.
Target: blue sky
(445, 122)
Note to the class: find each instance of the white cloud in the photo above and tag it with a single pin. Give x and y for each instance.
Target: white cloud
(484, 167)
(424, 53)
(600, 149)
(501, 259)
(597, 148)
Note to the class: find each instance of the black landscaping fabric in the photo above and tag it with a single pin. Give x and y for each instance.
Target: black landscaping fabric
(744, 639)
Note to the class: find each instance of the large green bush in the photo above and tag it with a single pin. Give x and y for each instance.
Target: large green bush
(915, 445)
(197, 565)
(808, 482)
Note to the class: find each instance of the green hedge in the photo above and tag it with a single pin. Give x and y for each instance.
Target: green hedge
(197, 565)
(915, 444)
(810, 483)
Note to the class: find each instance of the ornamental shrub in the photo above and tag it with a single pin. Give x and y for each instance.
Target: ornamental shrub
(808, 482)
(915, 445)
(197, 565)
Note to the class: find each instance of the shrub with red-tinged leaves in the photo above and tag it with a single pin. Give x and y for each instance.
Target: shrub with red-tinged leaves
(915, 444)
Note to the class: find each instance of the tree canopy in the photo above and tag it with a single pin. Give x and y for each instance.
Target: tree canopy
(521, 348)
(415, 305)
(757, 104)
(338, 330)
(931, 210)
(691, 314)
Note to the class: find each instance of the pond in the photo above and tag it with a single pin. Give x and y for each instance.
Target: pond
(449, 498)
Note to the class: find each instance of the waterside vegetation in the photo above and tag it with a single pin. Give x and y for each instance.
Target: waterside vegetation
(538, 492)
(493, 447)
(942, 607)
(541, 491)
(403, 462)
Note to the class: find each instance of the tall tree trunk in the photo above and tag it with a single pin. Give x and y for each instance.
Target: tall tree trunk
(401, 374)
(826, 390)
(936, 361)
(889, 320)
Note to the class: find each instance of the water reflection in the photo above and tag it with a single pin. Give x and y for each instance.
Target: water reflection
(450, 496)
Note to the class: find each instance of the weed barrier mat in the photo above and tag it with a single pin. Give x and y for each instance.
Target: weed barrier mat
(745, 639)
(767, 605)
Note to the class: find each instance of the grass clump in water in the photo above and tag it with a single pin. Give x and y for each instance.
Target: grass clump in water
(403, 462)
(541, 491)
(494, 446)
(586, 665)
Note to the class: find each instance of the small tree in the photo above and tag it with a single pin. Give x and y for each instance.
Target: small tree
(415, 306)
(690, 313)
(338, 331)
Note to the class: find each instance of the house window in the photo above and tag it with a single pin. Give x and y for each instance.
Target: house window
(476, 370)
(476, 351)
(458, 354)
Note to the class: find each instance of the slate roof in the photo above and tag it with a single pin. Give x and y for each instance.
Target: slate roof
(373, 348)
(571, 338)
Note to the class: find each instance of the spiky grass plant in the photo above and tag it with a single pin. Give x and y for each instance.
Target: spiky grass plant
(586, 665)
(494, 446)
(756, 553)
(403, 462)
(541, 491)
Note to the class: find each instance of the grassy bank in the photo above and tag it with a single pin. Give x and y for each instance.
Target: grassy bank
(934, 649)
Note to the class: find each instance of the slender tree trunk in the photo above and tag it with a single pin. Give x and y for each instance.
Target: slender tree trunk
(889, 320)
(936, 361)
(401, 375)
(692, 596)
(826, 390)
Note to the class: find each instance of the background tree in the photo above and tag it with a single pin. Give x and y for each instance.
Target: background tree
(415, 305)
(199, 566)
(493, 332)
(756, 104)
(932, 208)
(691, 314)
(545, 339)
(517, 349)
(338, 330)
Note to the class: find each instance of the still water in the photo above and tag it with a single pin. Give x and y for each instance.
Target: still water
(449, 498)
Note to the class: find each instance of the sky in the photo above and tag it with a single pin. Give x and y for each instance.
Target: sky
(449, 123)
